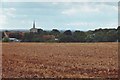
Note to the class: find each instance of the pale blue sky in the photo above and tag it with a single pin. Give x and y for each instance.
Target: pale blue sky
(59, 15)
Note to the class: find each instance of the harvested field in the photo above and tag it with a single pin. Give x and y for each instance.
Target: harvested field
(68, 60)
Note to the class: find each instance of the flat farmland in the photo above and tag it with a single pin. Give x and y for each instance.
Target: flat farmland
(62, 60)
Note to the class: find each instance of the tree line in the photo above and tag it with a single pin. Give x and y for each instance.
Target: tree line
(97, 35)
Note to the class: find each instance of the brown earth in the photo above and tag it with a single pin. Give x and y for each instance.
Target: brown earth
(68, 60)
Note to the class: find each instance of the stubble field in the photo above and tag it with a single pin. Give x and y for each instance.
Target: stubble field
(64, 60)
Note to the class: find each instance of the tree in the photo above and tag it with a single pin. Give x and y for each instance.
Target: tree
(68, 32)
(112, 35)
(55, 32)
(66, 38)
(3, 35)
(118, 33)
(28, 37)
(5, 40)
(104, 35)
(40, 31)
(32, 37)
(46, 33)
(15, 35)
(79, 36)
(89, 36)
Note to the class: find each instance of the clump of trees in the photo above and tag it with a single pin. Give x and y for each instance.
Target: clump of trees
(30, 37)
(98, 35)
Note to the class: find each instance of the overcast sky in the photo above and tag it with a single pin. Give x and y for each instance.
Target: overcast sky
(59, 15)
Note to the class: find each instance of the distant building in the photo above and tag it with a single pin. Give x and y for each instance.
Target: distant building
(34, 30)
(11, 39)
(14, 40)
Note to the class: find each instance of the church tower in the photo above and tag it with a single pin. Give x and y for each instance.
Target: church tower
(34, 30)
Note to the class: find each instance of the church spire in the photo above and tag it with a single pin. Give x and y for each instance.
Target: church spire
(34, 24)
(34, 30)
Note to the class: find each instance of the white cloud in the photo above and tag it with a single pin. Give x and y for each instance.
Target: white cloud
(55, 3)
(60, 0)
(115, 8)
(90, 8)
(4, 14)
(92, 24)
(81, 9)
(9, 12)
(70, 12)
(104, 7)
(2, 18)
(81, 24)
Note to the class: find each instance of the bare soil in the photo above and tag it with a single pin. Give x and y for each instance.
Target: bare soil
(61, 60)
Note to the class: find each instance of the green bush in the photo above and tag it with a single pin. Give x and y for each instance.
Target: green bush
(5, 40)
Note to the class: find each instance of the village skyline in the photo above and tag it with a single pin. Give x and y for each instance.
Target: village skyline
(62, 16)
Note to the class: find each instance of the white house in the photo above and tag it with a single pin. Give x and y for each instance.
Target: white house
(14, 40)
